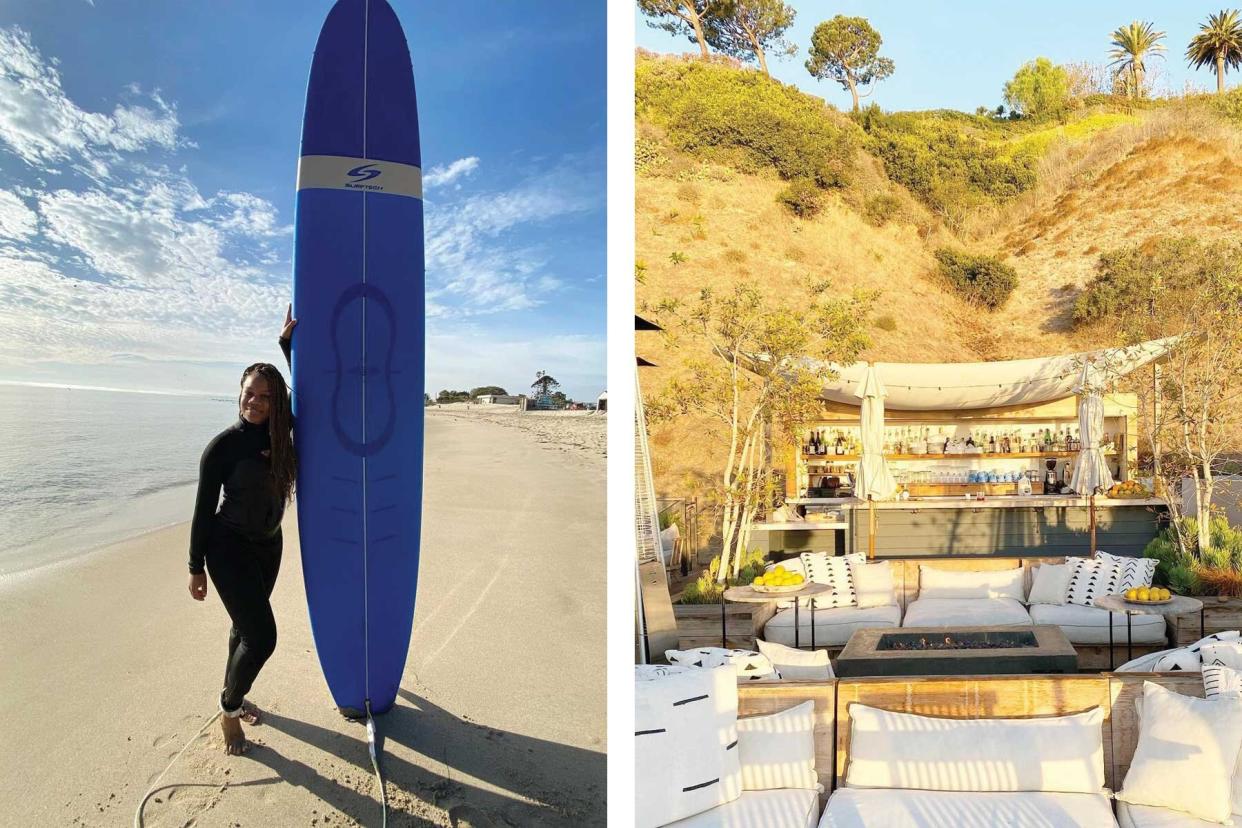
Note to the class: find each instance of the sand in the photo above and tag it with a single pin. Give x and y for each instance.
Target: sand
(110, 667)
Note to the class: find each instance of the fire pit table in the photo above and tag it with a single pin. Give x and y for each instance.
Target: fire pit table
(946, 651)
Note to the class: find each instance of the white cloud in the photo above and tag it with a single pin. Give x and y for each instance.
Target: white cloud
(474, 265)
(17, 221)
(42, 126)
(440, 175)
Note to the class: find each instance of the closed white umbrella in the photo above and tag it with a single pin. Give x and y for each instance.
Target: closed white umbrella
(875, 481)
(1092, 473)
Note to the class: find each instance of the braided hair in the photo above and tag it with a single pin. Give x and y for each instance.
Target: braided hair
(284, 461)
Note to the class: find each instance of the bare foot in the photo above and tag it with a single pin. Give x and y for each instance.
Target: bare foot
(235, 743)
(251, 715)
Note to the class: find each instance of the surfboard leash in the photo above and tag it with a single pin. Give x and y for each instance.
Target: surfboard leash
(151, 790)
(375, 763)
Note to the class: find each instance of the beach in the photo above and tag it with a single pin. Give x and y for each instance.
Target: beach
(111, 667)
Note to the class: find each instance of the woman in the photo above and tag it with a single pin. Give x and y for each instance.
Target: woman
(239, 544)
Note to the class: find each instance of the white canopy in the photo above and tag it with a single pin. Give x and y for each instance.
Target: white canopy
(914, 386)
(875, 481)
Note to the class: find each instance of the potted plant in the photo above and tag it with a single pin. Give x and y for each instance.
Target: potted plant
(1214, 575)
(698, 609)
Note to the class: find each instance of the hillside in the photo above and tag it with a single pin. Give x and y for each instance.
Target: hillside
(1047, 200)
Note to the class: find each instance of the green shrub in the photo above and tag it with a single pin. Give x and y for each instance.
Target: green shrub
(802, 198)
(1229, 104)
(951, 161)
(705, 589)
(1217, 572)
(1124, 276)
(746, 120)
(881, 209)
(981, 280)
(886, 323)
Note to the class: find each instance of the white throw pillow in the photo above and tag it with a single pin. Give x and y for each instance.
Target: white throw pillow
(873, 584)
(1135, 572)
(685, 745)
(1219, 680)
(795, 664)
(1050, 585)
(1186, 756)
(1092, 578)
(988, 583)
(1228, 653)
(833, 570)
(750, 666)
(1189, 659)
(778, 750)
(1062, 754)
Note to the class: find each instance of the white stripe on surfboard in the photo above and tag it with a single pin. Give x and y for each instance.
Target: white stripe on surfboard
(340, 172)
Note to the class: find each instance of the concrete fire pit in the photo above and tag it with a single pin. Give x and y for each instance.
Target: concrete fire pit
(941, 651)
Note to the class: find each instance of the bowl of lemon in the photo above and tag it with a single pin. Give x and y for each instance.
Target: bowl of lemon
(1148, 595)
(779, 580)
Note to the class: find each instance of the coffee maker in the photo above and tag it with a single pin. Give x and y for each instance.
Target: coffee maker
(1052, 484)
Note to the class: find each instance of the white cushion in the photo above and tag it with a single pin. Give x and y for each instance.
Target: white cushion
(1136, 572)
(833, 627)
(833, 570)
(685, 744)
(1050, 584)
(1219, 680)
(1228, 653)
(1236, 785)
(1145, 816)
(966, 612)
(873, 584)
(858, 808)
(1190, 658)
(1186, 755)
(750, 665)
(651, 672)
(1064, 754)
(778, 749)
(795, 664)
(792, 808)
(988, 583)
(1105, 574)
(1089, 625)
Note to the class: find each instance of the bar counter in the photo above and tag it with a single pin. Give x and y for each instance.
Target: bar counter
(1006, 526)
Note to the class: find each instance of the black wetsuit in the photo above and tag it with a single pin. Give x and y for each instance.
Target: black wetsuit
(240, 545)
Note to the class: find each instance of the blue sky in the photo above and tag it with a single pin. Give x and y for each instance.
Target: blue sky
(958, 55)
(147, 161)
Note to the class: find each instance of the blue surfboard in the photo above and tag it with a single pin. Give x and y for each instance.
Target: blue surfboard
(357, 355)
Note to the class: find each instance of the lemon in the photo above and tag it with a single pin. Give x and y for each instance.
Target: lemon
(1131, 594)
(779, 569)
(758, 581)
(1144, 594)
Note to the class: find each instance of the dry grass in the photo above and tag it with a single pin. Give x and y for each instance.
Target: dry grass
(1226, 583)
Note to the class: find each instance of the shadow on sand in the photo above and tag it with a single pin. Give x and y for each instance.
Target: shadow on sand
(544, 783)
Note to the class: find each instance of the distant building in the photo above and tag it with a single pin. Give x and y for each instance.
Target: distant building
(602, 403)
(498, 399)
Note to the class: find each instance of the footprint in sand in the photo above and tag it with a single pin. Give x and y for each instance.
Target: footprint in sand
(160, 741)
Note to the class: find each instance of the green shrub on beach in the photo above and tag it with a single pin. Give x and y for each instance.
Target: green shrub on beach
(981, 280)
(1216, 572)
(882, 208)
(745, 120)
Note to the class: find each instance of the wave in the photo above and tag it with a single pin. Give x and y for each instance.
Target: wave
(155, 488)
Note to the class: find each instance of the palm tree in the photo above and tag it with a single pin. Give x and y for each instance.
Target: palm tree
(1219, 41)
(1131, 44)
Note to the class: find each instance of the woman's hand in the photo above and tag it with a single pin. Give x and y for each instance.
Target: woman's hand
(287, 331)
(198, 586)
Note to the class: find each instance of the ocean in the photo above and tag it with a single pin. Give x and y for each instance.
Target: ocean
(80, 469)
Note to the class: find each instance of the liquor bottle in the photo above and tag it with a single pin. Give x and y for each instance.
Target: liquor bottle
(840, 445)
(1047, 440)
(970, 437)
(992, 444)
(1006, 445)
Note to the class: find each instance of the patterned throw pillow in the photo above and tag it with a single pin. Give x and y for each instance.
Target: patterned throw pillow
(1228, 653)
(750, 666)
(834, 571)
(1092, 578)
(1135, 572)
(1221, 680)
(1190, 659)
(651, 672)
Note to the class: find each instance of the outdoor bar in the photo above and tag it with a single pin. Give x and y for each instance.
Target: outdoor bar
(969, 459)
